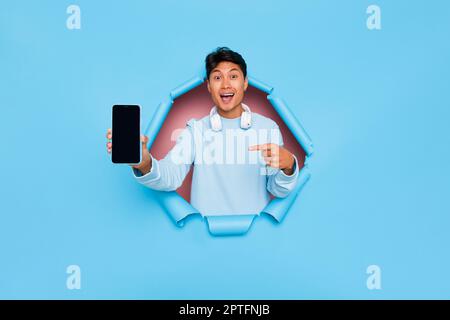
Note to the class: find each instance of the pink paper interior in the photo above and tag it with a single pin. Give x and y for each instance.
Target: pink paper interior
(197, 103)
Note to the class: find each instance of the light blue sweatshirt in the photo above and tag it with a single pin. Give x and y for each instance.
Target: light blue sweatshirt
(227, 178)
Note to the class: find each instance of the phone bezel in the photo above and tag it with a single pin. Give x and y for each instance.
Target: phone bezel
(140, 131)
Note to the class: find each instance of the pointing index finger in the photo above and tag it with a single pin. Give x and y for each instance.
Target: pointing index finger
(263, 147)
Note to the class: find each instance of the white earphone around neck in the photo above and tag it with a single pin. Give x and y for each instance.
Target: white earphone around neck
(216, 122)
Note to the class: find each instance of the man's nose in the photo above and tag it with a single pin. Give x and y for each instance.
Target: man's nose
(225, 83)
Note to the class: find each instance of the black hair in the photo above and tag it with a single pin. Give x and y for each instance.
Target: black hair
(224, 54)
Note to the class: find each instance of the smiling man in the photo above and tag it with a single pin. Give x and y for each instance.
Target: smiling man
(227, 179)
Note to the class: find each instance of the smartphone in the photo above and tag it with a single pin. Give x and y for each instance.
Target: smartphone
(126, 134)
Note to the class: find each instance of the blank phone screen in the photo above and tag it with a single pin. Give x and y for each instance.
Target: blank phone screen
(126, 134)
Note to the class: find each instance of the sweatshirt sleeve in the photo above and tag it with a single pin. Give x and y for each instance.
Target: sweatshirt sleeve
(279, 183)
(168, 174)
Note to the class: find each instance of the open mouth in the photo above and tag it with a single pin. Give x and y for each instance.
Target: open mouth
(227, 97)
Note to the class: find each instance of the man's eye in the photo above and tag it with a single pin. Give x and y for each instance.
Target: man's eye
(234, 76)
(216, 77)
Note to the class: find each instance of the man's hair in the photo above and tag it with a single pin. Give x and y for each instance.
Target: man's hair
(224, 54)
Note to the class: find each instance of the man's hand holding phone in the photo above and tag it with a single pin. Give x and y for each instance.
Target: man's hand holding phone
(146, 162)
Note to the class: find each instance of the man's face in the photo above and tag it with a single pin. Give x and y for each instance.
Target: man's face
(227, 84)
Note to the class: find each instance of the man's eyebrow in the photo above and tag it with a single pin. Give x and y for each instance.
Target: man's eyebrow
(217, 70)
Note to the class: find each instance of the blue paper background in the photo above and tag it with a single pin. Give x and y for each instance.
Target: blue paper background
(375, 103)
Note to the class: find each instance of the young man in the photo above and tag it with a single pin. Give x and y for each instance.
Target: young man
(222, 184)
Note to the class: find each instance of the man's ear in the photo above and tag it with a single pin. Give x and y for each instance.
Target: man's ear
(207, 85)
(245, 83)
